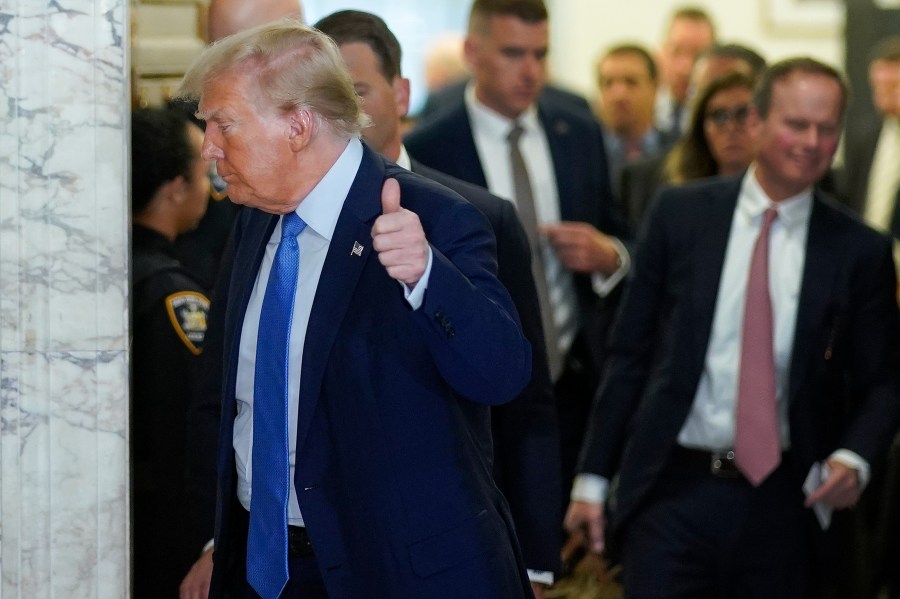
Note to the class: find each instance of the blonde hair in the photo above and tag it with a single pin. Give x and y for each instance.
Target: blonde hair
(295, 67)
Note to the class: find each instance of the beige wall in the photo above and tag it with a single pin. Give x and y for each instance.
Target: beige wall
(580, 29)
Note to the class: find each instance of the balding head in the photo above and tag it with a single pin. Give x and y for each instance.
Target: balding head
(227, 17)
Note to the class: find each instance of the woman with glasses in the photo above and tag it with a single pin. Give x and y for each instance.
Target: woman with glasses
(716, 143)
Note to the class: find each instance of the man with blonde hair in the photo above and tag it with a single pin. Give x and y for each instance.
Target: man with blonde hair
(354, 440)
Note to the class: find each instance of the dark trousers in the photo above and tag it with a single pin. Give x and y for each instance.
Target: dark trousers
(700, 536)
(305, 580)
(574, 391)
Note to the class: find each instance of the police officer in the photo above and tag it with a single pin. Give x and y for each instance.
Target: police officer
(170, 192)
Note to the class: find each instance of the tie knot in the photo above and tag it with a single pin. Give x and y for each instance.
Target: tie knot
(291, 225)
(515, 133)
(768, 216)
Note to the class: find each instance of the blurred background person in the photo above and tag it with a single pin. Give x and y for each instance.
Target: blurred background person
(717, 142)
(230, 16)
(170, 191)
(690, 31)
(547, 157)
(869, 183)
(627, 80)
(721, 59)
(870, 180)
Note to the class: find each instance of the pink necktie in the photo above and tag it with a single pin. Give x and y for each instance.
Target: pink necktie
(757, 447)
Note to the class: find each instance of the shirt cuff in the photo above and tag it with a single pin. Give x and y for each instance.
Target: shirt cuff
(209, 545)
(540, 577)
(853, 461)
(591, 488)
(602, 284)
(416, 295)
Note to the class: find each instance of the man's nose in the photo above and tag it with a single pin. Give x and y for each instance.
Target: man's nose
(209, 150)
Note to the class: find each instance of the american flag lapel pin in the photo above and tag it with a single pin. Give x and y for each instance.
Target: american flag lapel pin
(357, 249)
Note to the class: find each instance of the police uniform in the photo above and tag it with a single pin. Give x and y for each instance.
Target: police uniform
(169, 324)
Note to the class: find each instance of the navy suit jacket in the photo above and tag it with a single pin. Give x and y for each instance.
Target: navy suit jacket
(843, 386)
(446, 143)
(525, 431)
(393, 466)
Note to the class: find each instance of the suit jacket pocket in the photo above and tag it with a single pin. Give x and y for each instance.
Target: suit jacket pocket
(471, 538)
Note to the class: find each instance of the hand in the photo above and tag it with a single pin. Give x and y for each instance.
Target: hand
(840, 490)
(399, 239)
(196, 584)
(538, 589)
(582, 248)
(586, 519)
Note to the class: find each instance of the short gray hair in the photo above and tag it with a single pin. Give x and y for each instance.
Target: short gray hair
(295, 66)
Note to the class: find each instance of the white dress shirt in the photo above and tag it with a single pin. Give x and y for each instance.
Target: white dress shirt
(710, 423)
(320, 210)
(490, 131)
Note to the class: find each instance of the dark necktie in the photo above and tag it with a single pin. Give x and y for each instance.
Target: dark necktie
(528, 213)
(757, 446)
(267, 543)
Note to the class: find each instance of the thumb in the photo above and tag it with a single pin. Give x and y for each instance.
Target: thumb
(390, 196)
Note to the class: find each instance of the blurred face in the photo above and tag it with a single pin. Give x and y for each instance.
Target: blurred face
(249, 141)
(627, 94)
(196, 190)
(384, 101)
(508, 64)
(726, 131)
(710, 68)
(884, 78)
(686, 39)
(798, 138)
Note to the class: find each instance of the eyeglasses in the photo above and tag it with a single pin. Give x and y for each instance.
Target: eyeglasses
(722, 116)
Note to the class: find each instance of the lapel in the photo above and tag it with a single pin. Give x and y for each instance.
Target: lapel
(558, 130)
(714, 227)
(466, 153)
(337, 282)
(818, 302)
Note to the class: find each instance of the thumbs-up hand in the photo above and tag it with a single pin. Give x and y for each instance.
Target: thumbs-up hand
(399, 239)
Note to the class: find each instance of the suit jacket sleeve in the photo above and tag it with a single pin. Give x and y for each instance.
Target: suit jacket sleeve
(467, 316)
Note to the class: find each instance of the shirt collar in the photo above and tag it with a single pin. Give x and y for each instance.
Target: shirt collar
(494, 124)
(403, 160)
(321, 207)
(753, 201)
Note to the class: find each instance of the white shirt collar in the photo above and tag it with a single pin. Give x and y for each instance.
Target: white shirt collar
(403, 160)
(492, 122)
(753, 201)
(318, 209)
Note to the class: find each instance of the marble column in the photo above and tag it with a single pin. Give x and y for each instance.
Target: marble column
(64, 108)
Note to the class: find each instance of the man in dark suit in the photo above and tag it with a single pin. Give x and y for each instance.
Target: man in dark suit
(869, 180)
(550, 161)
(725, 418)
(525, 432)
(354, 445)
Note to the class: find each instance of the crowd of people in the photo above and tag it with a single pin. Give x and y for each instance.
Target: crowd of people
(413, 362)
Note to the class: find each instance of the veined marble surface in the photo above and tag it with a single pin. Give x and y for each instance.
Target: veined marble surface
(64, 102)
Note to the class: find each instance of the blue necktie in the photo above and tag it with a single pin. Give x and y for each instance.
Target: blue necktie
(267, 543)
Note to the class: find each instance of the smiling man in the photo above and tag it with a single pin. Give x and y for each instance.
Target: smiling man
(754, 369)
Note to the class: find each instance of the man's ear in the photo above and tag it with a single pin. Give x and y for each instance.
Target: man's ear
(401, 95)
(753, 119)
(302, 128)
(470, 51)
(174, 190)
